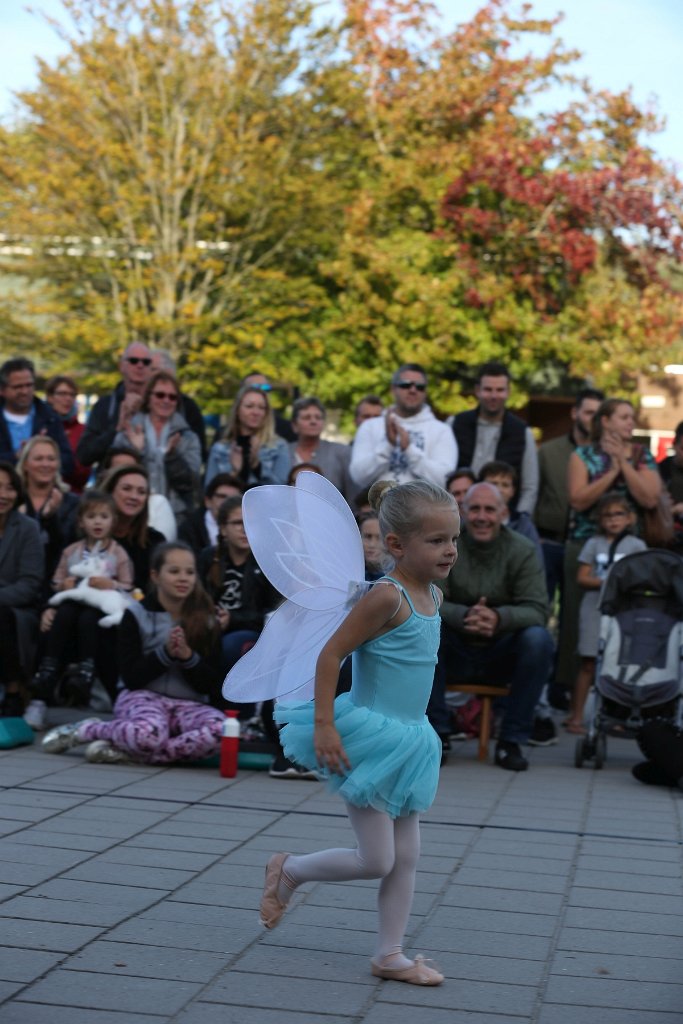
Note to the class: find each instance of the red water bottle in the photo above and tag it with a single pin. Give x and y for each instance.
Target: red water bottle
(230, 741)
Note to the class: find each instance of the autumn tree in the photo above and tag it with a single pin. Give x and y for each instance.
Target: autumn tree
(251, 185)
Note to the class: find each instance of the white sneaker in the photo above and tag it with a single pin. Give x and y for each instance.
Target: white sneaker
(35, 715)
(103, 752)
(56, 741)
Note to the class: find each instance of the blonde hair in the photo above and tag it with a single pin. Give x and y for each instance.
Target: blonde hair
(32, 443)
(266, 434)
(400, 507)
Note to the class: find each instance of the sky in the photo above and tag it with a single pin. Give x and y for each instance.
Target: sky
(636, 43)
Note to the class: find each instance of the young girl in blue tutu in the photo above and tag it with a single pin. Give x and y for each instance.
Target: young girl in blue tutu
(375, 745)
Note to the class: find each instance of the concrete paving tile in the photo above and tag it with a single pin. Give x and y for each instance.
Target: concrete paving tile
(101, 871)
(25, 797)
(26, 964)
(338, 917)
(455, 939)
(108, 992)
(18, 873)
(668, 852)
(263, 960)
(501, 862)
(37, 908)
(138, 857)
(618, 899)
(522, 880)
(624, 920)
(500, 921)
(650, 882)
(25, 854)
(318, 940)
(356, 897)
(482, 997)
(536, 847)
(484, 898)
(199, 914)
(120, 895)
(458, 967)
(92, 827)
(7, 891)
(227, 834)
(152, 840)
(631, 995)
(217, 895)
(213, 939)
(588, 1015)
(628, 865)
(61, 840)
(344, 998)
(45, 934)
(391, 1014)
(36, 1013)
(218, 1013)
(143, 961)
(628, 968)
(629, 943)
(9, 989)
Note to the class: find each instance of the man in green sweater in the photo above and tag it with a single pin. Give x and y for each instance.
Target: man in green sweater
(494, 613)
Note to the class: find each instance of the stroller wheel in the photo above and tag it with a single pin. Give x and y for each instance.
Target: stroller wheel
(600, 750)
(580, 753)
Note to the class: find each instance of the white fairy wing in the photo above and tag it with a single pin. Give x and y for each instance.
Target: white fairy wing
(283, 661)
(306, 540)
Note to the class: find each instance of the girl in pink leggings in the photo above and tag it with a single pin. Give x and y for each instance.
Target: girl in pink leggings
(169, 657)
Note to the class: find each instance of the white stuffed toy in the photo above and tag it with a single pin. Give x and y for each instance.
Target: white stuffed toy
(112, 602)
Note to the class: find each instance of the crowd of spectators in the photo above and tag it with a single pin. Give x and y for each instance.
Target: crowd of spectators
(126, 573)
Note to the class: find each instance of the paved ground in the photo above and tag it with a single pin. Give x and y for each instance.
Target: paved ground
(128, 896)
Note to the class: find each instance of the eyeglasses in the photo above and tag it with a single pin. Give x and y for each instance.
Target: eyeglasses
(63, 394)
(168, 395)
(134, 360)
(405, 385)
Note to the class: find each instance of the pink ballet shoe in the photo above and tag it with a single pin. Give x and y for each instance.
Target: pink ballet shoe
(272, 908)
(417, 974)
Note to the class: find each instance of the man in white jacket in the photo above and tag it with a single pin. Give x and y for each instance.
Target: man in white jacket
(406, 442)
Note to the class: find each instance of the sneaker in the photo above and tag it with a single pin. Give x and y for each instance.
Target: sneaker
(543, 733)
(36, 715)
(283, 768)
(64, 737)
(103, 752)
(509, 755)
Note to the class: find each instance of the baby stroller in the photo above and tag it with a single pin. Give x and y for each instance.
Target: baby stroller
(640, 649)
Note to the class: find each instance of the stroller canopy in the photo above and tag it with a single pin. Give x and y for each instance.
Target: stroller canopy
(645, 574)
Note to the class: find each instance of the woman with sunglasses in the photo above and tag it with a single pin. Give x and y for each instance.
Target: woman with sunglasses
(170, 450)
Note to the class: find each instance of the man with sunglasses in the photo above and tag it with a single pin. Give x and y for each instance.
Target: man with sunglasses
(406, 442)
(112, 413)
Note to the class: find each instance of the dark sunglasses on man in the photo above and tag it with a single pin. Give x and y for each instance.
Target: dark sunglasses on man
(134, 360)
(405, 385)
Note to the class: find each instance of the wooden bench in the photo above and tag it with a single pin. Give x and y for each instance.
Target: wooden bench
(486, 695)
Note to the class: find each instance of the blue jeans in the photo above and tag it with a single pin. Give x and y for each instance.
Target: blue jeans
(520, 659)
(232, 644)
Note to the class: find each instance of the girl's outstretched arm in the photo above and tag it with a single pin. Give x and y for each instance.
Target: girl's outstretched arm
(376, 611)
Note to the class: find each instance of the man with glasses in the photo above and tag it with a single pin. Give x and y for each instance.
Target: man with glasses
(406, 442)
(23, 416)
(113, 413)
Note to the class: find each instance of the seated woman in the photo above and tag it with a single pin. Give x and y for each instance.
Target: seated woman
(242, 594)
(61, 393)
(332, 458)
(47, 500)
(129, 488)
(170, 669)
(250, 448)
(160, 513)
(170, 449)
(21, 583)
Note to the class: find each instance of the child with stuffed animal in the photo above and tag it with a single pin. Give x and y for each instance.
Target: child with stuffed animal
(92, 579)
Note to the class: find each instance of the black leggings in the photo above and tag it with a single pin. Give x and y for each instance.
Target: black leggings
(10, 662)
(74, 634)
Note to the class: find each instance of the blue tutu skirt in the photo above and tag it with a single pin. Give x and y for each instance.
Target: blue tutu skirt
(394, 764)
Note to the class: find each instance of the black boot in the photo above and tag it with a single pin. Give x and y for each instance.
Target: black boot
(79, 684)
(44, 682)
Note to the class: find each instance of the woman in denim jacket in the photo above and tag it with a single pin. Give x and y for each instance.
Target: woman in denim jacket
(250, 448)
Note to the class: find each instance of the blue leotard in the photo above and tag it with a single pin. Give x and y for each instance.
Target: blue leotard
(394, 752)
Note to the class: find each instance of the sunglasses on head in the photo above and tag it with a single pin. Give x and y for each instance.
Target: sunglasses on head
(134, 360)
(405, 385)
(263, 387)
(170, 396)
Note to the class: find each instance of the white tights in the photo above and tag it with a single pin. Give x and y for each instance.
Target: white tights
(388, 849)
